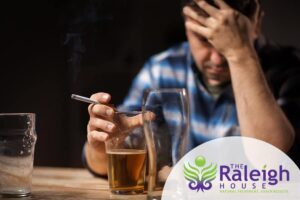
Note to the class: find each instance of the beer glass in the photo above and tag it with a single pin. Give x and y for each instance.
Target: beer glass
(17, 142)
(126, 153)
(166, 134)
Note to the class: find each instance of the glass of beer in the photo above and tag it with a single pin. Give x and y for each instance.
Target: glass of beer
(127, 156)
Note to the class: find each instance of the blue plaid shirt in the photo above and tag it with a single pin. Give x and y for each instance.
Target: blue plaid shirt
(210, 117)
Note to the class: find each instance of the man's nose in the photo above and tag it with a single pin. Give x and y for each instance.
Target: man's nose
(216, 57)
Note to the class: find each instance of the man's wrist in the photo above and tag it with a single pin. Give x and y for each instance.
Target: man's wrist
(96, 158)
(96, 151)
(241, 55)
(88, 167)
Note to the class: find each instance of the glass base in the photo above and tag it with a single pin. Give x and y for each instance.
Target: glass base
(15, 195)
(154, 195)
(126, 192)
(14, 192)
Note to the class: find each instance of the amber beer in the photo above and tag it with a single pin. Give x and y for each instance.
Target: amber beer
(126, 170)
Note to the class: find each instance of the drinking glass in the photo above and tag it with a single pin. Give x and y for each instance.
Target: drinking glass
(166, 134)
(17, 142)
(126, 153)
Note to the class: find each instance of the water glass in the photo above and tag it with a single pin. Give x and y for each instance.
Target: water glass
(17, 142)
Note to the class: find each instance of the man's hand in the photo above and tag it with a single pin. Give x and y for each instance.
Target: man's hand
(163, 173)
(101, 116)
(226, 29)
(105, 123)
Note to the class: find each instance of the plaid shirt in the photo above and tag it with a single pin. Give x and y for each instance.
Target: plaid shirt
(210, 117)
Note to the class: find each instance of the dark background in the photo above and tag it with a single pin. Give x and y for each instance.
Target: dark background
(51, 49)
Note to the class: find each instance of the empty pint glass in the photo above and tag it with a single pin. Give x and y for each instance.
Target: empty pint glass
(166, 134)
(17, 142)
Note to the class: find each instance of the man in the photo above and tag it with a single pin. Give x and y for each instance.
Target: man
(221, 70)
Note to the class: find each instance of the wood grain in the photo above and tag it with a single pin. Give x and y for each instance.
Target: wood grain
(69, 183)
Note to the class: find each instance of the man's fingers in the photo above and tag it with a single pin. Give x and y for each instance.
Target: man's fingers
(137, 121)
(149, 116)
(134, 122)
(201, 30)
(258, 12)
(209, 9)
(97, 136)
(100, 129)
(222, 4)
(101, 110)
(101, 97)
(91, 113)
(97, 123)
(189, 12)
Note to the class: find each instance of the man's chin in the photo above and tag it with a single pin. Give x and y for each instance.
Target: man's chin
(216, 81)
(218, 70)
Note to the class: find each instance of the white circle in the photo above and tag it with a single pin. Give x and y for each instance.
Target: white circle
(241, 168)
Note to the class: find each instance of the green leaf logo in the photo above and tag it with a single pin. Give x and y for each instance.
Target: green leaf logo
(199, 175)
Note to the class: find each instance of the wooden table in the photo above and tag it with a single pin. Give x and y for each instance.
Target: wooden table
(69, 183)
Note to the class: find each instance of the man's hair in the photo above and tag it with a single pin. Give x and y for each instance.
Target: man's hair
(246, 7)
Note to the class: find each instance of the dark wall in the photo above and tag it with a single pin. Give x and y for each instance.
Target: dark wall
(281, 21)
(51, 49)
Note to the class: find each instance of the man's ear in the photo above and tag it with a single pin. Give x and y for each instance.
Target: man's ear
(258, 25)
(257, 20)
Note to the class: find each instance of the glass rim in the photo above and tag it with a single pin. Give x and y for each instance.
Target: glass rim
(147, 92)
(16, 114)
(126, 112)
(165, 89)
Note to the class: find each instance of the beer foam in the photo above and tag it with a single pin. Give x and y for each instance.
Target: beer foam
(126, 151)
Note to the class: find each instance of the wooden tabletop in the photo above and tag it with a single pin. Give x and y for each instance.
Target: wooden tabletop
(69, 183)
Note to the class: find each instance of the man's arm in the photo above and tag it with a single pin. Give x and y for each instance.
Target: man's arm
(99, 127)
(258, 112)
(232, 34)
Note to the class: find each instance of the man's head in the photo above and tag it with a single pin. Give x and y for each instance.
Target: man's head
(211, 63)
(247, 7)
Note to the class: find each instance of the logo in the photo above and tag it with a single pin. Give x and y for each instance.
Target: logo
(199, 175)
(233, 168)
(232, 176)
